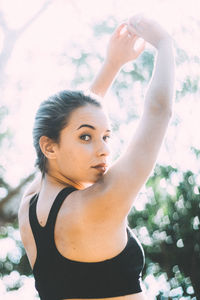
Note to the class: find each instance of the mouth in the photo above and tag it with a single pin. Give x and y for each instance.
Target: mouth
(101, 167)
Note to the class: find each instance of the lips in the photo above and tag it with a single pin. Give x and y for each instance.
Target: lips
(101, 167)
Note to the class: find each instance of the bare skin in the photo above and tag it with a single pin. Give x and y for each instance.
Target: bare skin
(93, 244)
(91, 224)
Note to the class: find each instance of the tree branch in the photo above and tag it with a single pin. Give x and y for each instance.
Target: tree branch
(4, 184)
(37, 14)
(3, 23)
(15, 191)
(11, 37)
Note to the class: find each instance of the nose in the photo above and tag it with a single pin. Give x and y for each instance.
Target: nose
(103, 149)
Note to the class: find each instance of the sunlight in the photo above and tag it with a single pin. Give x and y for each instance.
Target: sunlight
(6, 245)
(43, 62)
(44, 82)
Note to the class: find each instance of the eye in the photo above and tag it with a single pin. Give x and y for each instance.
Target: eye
(106, 137)
(85, 137)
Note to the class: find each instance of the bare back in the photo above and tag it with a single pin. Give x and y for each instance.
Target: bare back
(74, 240)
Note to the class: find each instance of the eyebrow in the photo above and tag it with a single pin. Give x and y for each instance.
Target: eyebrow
(90, 126)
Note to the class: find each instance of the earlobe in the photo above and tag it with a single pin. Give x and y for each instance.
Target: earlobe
(47, 147)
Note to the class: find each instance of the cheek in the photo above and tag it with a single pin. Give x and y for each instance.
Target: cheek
(83, 149)
(77, 155)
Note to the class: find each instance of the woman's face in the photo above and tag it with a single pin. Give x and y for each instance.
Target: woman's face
(84, 143)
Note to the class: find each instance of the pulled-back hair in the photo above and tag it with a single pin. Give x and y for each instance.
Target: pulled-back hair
(53, 115)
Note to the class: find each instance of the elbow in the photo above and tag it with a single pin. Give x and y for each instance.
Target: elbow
(160, 109)
(160, 101)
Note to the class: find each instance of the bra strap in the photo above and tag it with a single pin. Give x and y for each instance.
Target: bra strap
(39, 232)
(35, 226)
(51, 221)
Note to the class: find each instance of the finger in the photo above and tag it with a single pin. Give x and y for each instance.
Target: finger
(131, 37)
(131, 29)
(130, 33)
(139, 46)
(134, 37)
(120, 28)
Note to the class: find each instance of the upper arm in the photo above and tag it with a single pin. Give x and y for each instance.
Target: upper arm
(112, 196)
(22, 221)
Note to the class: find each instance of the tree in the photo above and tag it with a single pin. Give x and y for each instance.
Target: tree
(170, 227)
(173, 224)
(8, 215)
(11, 37)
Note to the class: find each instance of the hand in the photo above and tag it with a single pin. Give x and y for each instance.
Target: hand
(148, 29)
(121, 46)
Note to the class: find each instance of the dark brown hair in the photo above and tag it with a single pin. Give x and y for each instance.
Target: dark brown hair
(53, 115)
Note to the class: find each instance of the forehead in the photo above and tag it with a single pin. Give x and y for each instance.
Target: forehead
(89, 114)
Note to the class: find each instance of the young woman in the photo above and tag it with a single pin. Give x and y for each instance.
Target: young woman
(73, 221)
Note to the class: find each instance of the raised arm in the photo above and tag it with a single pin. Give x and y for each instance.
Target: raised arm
(120, 51)
(161, 88)
(112, 197)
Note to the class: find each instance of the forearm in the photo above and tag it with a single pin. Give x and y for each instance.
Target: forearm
(104, 79)
(120, 51)
(160, 92)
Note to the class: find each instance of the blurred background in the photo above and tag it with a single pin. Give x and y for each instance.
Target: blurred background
(49, 45)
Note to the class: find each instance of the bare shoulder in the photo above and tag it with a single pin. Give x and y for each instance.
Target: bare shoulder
(111, 198)
(23, 210)
(75, 236)
(23, 217)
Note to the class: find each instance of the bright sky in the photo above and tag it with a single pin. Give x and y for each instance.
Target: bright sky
(33, 68)
(67, 22)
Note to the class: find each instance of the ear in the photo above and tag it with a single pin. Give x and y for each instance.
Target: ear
(48, 147)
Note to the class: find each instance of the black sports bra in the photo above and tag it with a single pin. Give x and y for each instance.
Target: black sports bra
(57, 277)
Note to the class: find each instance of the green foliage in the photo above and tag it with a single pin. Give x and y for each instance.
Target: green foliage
(189, 86)
(170, 220)
(15, 259)
(181, 57)
(173, 224)
(104, 27)
(196, 152)
(5, 133)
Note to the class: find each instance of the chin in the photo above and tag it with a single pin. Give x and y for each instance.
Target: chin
(86, 185)
(91, 182)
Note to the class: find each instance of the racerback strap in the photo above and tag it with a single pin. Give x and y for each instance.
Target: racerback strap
(38, 230)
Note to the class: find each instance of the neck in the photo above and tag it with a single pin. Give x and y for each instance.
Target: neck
(62, 181)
